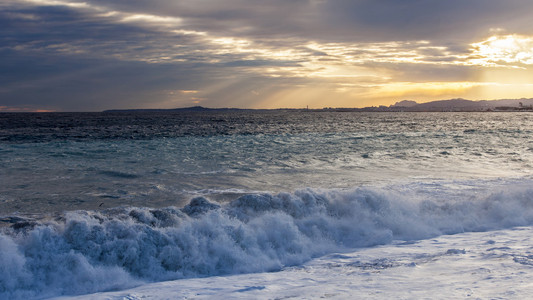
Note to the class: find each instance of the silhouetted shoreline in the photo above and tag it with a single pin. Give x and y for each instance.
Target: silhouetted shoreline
(451, 105)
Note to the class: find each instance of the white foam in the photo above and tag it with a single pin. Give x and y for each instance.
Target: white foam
(97, 251)
(483, 265)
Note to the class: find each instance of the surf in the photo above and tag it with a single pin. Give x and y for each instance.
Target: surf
(82, 252)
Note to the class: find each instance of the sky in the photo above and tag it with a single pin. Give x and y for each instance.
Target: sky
(92, 55)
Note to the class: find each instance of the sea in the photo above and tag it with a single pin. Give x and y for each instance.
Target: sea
(264, 204)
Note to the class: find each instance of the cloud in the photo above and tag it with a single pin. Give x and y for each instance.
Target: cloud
(424, 19)
(341, 20)
(93, 54)
(504, 50)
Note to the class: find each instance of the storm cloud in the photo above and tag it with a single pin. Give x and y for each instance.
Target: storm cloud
(94, 55)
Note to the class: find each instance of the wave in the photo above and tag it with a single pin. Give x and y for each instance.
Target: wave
(89, 251)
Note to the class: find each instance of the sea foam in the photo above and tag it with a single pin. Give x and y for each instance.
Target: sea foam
(89, 251)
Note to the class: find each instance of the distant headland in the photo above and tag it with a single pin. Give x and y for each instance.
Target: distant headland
(451, 105)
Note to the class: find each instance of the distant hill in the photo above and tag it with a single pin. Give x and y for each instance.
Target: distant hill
(405, 103)
(465, 105)
(182, 109)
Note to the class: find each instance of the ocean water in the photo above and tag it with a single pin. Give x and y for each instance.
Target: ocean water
(93, 202)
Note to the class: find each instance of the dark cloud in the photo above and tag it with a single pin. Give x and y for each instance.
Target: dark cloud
(342, 20)
(423, 19)
(55, 23)
(130, 53)
(63, 83)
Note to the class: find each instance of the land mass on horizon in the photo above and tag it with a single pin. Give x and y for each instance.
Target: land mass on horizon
(457, 105)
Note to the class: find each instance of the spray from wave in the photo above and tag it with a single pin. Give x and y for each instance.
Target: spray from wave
(89, 251)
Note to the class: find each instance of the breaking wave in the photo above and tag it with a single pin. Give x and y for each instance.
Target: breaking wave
(89, 251)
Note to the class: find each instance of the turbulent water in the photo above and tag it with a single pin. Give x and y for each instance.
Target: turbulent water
(102, 201)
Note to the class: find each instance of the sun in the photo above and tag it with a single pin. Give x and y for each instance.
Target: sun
(506, 62)
(513, 50)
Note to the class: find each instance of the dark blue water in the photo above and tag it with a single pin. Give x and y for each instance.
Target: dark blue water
(54, 162)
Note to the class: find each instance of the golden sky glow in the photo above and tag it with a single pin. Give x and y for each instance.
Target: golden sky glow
(504, 51)
(245, 54)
